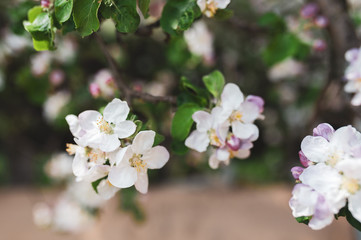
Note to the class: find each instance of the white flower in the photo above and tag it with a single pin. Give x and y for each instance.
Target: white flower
(200, 41)
(59, 167)
(104, 80)
(353, 75)
(104, 131)
(132, 164)
(224, 155)
(211, 129)
(210, 7)
(241, 113)
(54, 104)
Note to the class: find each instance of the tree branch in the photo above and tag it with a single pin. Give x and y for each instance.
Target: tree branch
(129, 93)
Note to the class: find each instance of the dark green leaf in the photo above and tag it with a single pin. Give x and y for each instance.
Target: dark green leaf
(353, 221)
(158, 139)
(144, 7)
(273, 22)
(125, 15)
(182, 121)
(178, 15)
(63, 9)
(304, 220)
(85, 15)
(96, 183)
(214, 83)
(178, 147)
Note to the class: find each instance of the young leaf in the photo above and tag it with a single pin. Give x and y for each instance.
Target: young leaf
(63, 9)
(214, 83)
(182, 121)
(85, 14)
(144, 7)
(125, 15)
(353, 221)
(178, 15)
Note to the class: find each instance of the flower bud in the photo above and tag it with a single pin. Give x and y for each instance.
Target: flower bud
(45, 3)
(296, 172)
(324, 130)
(94, 90)
(56, 77)
(309, 10)
(234, 143)
(256, 100)
(303, 159)
(321, 21)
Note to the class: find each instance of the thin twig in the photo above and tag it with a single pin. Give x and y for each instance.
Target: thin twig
(127, 92)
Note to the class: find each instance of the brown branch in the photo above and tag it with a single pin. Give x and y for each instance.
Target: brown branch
(127, 92)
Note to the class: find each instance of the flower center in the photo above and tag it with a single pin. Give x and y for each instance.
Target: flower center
(212, 8)
(215, 141)
(136, 162)
(104, 126)
(350, 184)
(334, 158)
(236, 116)
(95, 156)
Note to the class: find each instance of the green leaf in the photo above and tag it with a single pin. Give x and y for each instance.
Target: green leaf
(158, 139)
(63, 9)
(178, 15)
(182, 121)
(304, 220)
(85, 15)
(96, 183)
(144, 7)
(356, 224)
(125, 15)
(178, 147)
(223, 14)
(34, 12)
(192, 93)
(273, 22)
(214, 83)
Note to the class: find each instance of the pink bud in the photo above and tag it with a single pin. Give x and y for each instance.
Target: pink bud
(234, 143)
(45, 3)
(324, 130)
(303, 159)
(309, 10)
(321, 21)
(56, 77)
(94, 90)
(296, 172)
(319, 45)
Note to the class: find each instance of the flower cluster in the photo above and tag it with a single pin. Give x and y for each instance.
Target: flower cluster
(353, 75)
(331, 179)
(107, 152)
(210, 7)
(229, 127)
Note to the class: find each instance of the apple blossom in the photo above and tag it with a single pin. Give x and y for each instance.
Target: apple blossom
(132, 164)
(210, 7)
(103, 131)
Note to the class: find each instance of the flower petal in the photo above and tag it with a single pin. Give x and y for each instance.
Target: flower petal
(106, 190)
(231, 97)
(198, 141)
(125, 129)
(203, 120)
(324, 130)
(354, 205)
(74, 125)
(315, 148)
(242, 153)
(88, 119)
(250, 112)
(213, 161)
(122, 177)
(96, 172)
(80, 164)
(323, 216)
(245, 131)
(143, 141)
(142, 182)
(222, 154)
(109, 143)
(116, 111)
(156, 157)
(303, 201)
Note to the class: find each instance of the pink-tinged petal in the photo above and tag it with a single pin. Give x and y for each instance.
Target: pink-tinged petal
(245, 131)
(222, 154)
(231, 97)
(116, 111)
(242, 153)
(222, 4)
(348, 139)
(249, 112)
(324, 130)
(356, 100)
(198, 141)
(315, 148)
(80, 164)
(304, 160)
(96, 172)
(106, 190)
(296, 172)
(258, 101)
(156, 157)
(234, 143)
(109, 143)
(323, 216)
(354, 205)
(142, 182)
(125, 129)
(352, 55)
(303, 201)
(203, 120)
(88, 119)
(122, 177)
(213, 161)
(74, 126)
(143, 141)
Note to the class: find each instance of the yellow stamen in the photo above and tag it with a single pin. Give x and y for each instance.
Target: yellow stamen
(71, 148)
(136, 162)
(236, 116)
(212, 8)
(350, 184)
(104, 126)
(215, 141)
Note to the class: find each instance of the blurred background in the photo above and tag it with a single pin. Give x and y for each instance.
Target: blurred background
(271, 48)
